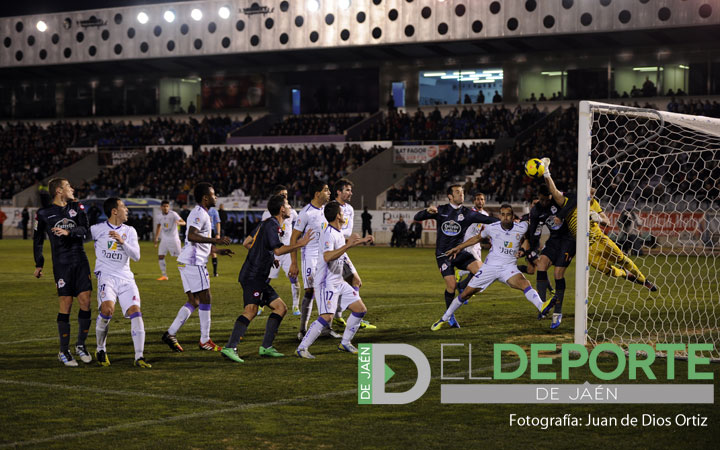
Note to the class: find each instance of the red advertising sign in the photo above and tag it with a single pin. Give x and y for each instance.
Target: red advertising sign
(664, 224)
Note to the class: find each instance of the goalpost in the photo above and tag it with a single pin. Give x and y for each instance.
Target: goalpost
(657, 179)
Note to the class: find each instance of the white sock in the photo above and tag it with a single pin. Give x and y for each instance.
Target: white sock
(353, 323)
(204, 311)
(137, 329)
(456, 303)
(101, 329)
(184, 314)
(313, 332)
(163, 267)
(534, 298)
(295, 294)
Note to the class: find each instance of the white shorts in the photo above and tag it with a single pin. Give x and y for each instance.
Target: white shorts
(487, 275)
(308, 271)
(171, 246)
(327, 297)
(284, 264)
(112, 289)
(194, 278)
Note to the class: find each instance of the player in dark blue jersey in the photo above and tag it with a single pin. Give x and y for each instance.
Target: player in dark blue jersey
(558, 251)
(66, 225)
(264, 245)
(532, 255)
(453, 219)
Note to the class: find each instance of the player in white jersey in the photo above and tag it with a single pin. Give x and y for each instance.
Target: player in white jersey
(343, 194)
(284, 261)
(115, 245)
(310, 218)
(330, 287)
(199, 243)
(166, 234)
(507, 239)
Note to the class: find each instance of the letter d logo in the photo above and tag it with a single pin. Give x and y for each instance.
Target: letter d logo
(373, 373)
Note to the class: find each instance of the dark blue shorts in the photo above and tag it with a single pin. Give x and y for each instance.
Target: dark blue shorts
(560, 251)
(72, 279)
(261, 294)
(461, 261)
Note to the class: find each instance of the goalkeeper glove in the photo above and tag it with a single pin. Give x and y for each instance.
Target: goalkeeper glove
(546, 163)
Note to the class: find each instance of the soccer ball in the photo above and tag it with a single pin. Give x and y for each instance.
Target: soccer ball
(534, 168)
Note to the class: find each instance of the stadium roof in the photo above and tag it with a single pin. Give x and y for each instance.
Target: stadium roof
(10, 9)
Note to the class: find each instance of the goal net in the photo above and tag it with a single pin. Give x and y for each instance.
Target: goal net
(656, 176)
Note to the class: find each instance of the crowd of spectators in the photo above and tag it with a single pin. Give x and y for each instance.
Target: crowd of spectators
(423, 184)
(253, 172)
(500, 177)
(162, 131)
(28, 153)
(556, 96)
(308, 125)
(670, 168)
(694, 107)
(470, 123)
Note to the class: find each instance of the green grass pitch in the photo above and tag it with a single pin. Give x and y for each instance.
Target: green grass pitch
(199, 400)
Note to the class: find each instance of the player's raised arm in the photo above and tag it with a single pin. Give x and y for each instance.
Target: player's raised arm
(557, 196)
(476, 217)
(428, 213)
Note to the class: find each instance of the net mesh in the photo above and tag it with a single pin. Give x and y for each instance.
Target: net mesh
(657, 178)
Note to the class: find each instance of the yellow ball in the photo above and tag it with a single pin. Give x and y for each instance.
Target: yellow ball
(534, 168)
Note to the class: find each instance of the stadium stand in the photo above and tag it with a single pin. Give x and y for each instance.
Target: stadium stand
(469, 123)
(28, 153)
(305, 125)
(255, 171)
(499, 176)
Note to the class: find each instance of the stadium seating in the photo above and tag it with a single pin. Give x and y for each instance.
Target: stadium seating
(499, 177)
(466, 124)
(305, 125)
(28, 153)
(255, 171)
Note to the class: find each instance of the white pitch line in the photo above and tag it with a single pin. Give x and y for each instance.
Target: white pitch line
(197, 415)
